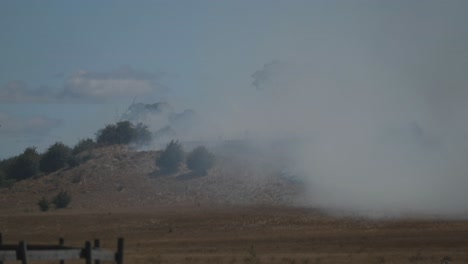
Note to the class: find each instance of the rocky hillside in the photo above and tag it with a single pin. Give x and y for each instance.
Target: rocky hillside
(117, 177)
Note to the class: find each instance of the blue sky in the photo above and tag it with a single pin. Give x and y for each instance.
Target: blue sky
(67, 68)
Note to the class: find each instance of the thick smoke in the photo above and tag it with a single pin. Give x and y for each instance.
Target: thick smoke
(370, 144)
(164, 122)
(366, 140)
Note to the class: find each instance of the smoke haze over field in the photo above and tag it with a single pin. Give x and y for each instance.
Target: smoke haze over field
(372, 93)
(373, 142)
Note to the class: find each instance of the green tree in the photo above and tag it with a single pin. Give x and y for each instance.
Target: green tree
(4, 180)
(25, 165)
(107, 135)
(5, 172)
(171, 157)
(55, 158)
(44, 204)
(61, 200)
(142, 134)
(83, 145)
(200, 160)
(123, 133)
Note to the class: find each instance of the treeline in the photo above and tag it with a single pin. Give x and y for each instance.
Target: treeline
(30, 163)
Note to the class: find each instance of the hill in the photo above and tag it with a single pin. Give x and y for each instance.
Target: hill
(118, 177)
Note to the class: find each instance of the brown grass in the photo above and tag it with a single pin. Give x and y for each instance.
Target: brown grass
(245, 235)
(171, 220)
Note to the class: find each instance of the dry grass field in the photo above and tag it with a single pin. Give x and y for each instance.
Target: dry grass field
(213, 219)
(180, 234)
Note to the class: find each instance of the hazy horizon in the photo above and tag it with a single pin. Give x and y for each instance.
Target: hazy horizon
(377, 90)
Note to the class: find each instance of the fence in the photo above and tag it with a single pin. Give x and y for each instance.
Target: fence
(91, 253)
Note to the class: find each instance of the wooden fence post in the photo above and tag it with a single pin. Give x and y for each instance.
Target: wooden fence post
(120, 251)
(1, 244)
(23, 252)
(61, 244)
(88, 253)
(97, 245)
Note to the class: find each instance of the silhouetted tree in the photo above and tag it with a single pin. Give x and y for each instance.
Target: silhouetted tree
(123, 133)
(142, 134)
(44, 204)
(83, 145)
(61, 200)
(4, 180)
(55, 158)
(171, 157)
(200, 160)
(25, 165)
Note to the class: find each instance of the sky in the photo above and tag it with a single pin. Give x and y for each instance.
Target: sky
(69, 67)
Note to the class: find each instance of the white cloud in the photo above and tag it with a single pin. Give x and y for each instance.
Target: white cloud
(86, 86)
(98, 86)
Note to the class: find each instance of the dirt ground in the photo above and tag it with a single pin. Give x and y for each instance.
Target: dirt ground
(245, 235)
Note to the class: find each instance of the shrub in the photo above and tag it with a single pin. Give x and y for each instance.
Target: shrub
(55, 158)
(74, 161)
(44, 204)
(61, 200)
(200, 160)
(142, 134)
(107, 135)
(171, 157)
(83, 145)
(123, 133)
(24, 166)
(5, 182)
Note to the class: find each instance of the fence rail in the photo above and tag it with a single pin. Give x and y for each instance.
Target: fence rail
(91, 253)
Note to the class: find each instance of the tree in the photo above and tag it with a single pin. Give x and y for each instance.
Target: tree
(200, 160)
(83, 145)
(171, 157)
(107, 135)
(61, 200)
(142, 134)
(55, 158)
(44, 204)
(123, 133)
(25, 165)
(4, 180)
(5, 172)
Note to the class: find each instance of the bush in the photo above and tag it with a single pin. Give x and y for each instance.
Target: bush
(83, 145)
(5, 182)
(142, 134)
(61, 200)
(171, 157)
(55, 158)
(123, 133)
(44, 204)
(76, 160)
(24, 166)
(200, 160)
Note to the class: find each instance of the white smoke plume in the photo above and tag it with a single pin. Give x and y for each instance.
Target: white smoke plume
(369, 144)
